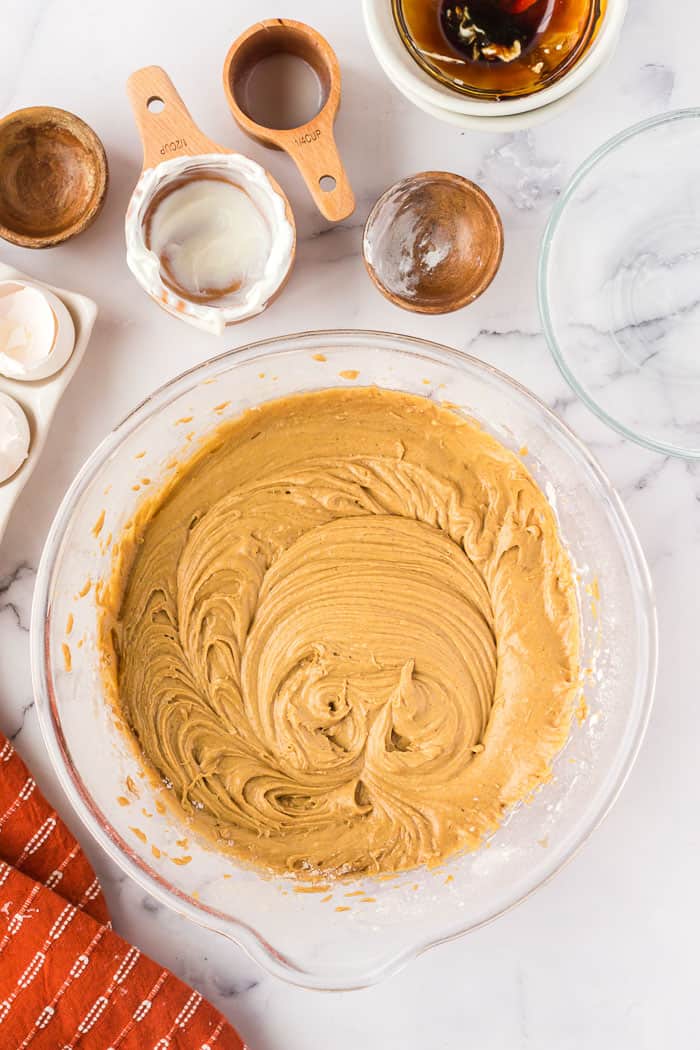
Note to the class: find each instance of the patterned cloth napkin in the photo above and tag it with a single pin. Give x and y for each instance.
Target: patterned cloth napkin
(67, 981)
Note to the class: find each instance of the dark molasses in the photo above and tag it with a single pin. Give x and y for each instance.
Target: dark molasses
(492, 31)
(497, 48)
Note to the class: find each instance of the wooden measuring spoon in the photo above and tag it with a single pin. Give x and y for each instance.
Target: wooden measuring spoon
(312, 145)
(165, 125)
(166, 128)
(168, 132)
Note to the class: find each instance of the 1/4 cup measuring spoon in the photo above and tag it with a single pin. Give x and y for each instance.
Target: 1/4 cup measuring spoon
(252, 61)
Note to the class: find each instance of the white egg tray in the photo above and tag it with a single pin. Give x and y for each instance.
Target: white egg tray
(39, 398)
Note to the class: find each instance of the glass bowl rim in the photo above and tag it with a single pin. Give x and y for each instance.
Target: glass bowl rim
(250, 940)
(607, 148)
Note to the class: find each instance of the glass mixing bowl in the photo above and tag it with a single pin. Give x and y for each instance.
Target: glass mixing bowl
(618, 283)
(300, 936)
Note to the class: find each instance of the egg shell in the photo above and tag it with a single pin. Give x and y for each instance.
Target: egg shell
(15, 449)
(53, 317)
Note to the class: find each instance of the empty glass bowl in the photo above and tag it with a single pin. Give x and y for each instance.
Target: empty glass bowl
(305, 937)
(619, 283)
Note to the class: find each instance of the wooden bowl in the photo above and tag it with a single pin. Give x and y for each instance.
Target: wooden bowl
(53, 176)
(433, 242)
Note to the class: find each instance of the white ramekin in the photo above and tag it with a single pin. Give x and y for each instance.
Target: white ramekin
(496, 122)
(418, 86)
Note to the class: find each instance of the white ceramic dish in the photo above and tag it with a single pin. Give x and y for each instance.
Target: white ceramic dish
(412, 81)
(301, 937)
(39, 398)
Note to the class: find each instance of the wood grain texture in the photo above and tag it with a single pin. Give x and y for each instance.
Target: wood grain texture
(452, 219)
(312, 145)
(53, 176)
(171, 131)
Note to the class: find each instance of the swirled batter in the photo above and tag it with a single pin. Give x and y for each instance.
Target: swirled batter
(347, 634)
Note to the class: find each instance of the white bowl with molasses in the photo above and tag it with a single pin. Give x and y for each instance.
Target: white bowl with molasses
(492, 59)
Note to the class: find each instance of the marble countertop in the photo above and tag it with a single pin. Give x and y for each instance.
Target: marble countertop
(604, 956)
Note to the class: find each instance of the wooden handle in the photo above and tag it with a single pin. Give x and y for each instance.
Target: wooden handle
(165, 125)
(315, 153)
(311, 146)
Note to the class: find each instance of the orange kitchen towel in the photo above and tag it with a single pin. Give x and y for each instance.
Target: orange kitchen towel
(67, 981)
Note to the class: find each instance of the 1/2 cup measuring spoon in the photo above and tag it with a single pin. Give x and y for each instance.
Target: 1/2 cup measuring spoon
(210, 234)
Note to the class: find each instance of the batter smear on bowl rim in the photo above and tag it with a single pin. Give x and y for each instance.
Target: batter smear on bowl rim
(346, 633)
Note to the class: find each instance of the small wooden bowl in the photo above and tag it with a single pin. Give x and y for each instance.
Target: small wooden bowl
(53, 176)
(433, 242)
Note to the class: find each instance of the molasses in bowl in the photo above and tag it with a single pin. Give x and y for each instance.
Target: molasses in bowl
(492, 58)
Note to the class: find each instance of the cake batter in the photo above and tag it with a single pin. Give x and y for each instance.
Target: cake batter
(346, 634)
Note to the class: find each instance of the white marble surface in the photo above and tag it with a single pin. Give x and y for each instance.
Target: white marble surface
(605, 955)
